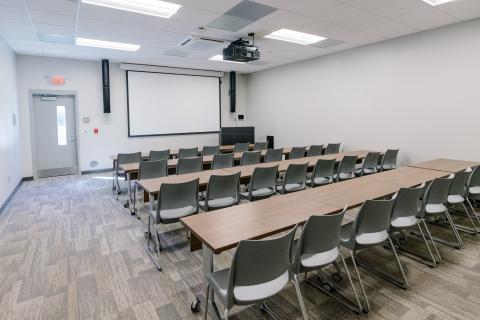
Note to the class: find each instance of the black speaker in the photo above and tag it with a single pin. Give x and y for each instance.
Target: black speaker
(233, 96)
(270, 142)
(106, 86)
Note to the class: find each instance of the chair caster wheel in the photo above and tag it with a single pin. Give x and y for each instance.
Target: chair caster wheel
(195, 306)
(337, 277)
(126, 205)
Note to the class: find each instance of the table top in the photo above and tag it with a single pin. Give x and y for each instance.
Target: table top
(447, 165)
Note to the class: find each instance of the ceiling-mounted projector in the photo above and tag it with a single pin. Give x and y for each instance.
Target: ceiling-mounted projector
(242, 51)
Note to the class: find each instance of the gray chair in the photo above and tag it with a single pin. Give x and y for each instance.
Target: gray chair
(434, 207)
(294, 179)
(315, 150)
(189, 165)
(187, 153)
(370, 229)
(159, 155)
(175, 201)
(250, 157)
(369, 164)
(260, 146)
(263, 183)
(346, 168)
(318, 248)
(389, 160)
(221, 161)
(322, 173)
(274, 155)
(241, 147)
(210, 150)
(222, 191)
(332, 148)
(149, 170)
(260, 270)
(458, 195)
(123, 158)
(406, 215)
(474, 188)
(297, 153)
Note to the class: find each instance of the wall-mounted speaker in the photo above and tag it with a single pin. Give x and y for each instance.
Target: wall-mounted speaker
(233, 95)
(106, 86)
(270, 142)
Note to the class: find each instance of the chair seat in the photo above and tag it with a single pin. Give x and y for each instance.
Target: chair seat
(319, 259)
(372, 238)
(321, 181)
(289, 187)
(174, 214)
(403, 222)
(263, 192)
(474, 190)
(386, 167)
(365, 171)
(435, 208)
(219, 203)
(345, 176)
(455, 198)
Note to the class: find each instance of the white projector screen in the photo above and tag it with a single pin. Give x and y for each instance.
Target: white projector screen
(167, 104)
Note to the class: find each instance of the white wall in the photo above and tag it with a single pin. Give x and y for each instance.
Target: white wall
(9, 134)
(84, 77)
(419, 93)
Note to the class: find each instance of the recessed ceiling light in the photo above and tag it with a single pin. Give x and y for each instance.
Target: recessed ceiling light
(156, 8)
(436, 2)
(294, 36)
(106, 44)
(219, 57)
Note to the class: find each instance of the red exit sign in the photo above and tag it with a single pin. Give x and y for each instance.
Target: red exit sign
(57, 80)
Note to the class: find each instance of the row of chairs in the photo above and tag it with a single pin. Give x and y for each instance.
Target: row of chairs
(262, 268)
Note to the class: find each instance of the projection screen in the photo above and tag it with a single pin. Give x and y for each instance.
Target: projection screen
(168, 104)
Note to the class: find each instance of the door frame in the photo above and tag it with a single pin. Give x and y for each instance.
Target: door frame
(69, 93)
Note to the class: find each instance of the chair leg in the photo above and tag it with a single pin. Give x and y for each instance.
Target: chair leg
(426, 244)
(360, 281)
(473, 211)
(431, 239)
(299, 296)
(225, 314)
(157, 241)
(205, 315)
(474, 227)
(429, 261)
(351, 283)
(399, 263)
(455, 231)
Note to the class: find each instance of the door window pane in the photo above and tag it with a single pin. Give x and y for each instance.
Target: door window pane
(61, 126)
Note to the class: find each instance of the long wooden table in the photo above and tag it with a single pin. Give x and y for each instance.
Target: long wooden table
(447, 165)
(223, 229)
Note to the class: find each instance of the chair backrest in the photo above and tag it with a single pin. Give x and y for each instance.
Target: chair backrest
(408, 202)
(319, 234)
(223, 186)
(332, 148)
(347, 165)
(437, 191)
(264, 177)
(297, 153)
(177, 195)
(250, 157)
(474, 180)
(324, 168)
(459, 183)
(187, 153)
(371, 161)
(315, 150)
(189, 165)
(210, 150)
(123, 158)
(389, 160)
(152, 169)
(221, 161)
(296, 173)
(241, 147)
(273, 155)
(257, 262)
(260, 146)
(159, 155)
(373, 217)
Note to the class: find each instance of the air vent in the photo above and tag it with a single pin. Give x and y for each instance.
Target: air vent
(202, 43)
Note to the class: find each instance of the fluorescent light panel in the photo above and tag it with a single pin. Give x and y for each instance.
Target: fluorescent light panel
(219, 57)
(156, 8)
(294, 36)
(436, 2)
(106, 44)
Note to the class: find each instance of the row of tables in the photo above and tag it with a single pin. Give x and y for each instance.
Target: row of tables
(223, 229)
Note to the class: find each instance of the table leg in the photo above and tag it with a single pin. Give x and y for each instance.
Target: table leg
(199, 301)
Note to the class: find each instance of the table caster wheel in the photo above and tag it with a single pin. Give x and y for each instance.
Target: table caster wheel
(195, 306)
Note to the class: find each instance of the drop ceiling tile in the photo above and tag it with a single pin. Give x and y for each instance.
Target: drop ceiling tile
(12, 3)
(64, 7)
(250, 10)
(15, 13)
(464, 10)
(53, 19)
(195, 16)
(229, 23)
(216, 6)
(157, 23)
(88, 11)
(42, 28)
